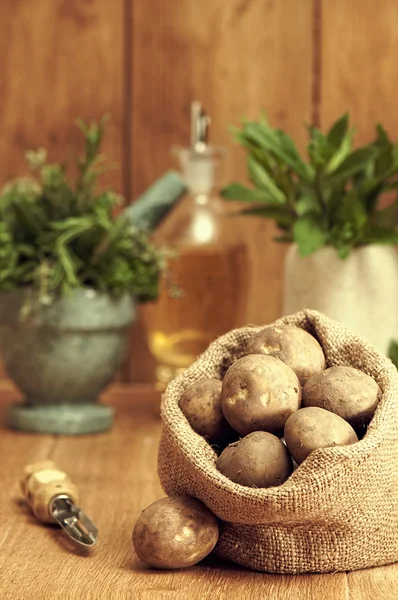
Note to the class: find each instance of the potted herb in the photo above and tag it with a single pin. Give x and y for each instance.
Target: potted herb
(342, 261)
(70, 277)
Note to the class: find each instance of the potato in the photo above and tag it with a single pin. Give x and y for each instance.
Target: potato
(259, 393)
(294, 346)
(258, 460)
(201, 404)
(345, 391)
(311, 428)
(175, 532)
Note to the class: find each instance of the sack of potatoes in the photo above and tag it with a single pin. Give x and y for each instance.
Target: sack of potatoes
(279, 451)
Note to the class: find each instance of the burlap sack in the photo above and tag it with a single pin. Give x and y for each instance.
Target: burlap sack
(338, 511)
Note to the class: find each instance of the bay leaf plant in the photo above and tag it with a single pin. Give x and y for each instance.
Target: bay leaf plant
(59, 232)
(331, 197)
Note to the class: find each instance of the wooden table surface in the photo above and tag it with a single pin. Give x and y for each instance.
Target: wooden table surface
(116, 475)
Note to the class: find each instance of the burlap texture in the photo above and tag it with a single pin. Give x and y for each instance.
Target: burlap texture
(338, 511)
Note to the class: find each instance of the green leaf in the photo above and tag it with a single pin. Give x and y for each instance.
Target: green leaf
(385, 161)
(241, 193)
(393, 352)
(337, 132)
(283, 217)
(265, 160)
(280, 144)
(52, 176)
(391, 186)
(28, 219)
(382, 136)
(381, 235)
(318, 137)
(308, 234)
(354, 162)
(388, 217)
(334, 202)
(338, 142)
(343, 251)
(352, 210)
(317, 148)
(307, 204)
(344, 150)
(263, 181)
(369, 190)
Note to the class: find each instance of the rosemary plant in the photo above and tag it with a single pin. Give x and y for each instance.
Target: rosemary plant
(59, 232)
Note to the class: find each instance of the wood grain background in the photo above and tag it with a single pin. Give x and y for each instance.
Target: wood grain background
(144, 61)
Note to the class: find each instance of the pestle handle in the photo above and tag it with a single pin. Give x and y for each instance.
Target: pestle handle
(153, 205)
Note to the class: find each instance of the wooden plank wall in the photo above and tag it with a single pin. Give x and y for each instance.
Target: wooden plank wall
(301, 60)
(358, 64)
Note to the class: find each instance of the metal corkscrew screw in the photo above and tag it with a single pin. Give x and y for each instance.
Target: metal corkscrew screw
(52, 496)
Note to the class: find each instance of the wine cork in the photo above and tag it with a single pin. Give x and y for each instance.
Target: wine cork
(32, 468)
(41, 483)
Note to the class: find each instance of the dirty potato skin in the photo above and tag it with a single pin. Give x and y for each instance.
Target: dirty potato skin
(259, 393)
(294, 346)
(345, 391)
(311, 428)
(201, 404)
(175, 532)
(258, 460)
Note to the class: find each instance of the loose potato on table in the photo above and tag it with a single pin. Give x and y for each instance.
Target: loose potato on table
(175, 532)
(312, 428)
(345, 391)
(258, 460)
(259, 393)
(294, 346)
(201, 404)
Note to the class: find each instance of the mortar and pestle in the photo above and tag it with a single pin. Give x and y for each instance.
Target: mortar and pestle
(64, 355)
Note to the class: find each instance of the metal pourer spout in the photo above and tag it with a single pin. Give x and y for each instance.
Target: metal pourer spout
(200, 122)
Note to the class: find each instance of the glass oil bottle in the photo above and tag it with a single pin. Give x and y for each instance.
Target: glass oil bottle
(204, 292)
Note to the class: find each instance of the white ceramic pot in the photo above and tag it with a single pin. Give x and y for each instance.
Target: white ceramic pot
(361, 291)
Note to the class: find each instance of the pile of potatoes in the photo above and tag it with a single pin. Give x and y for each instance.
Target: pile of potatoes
(277, 404)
